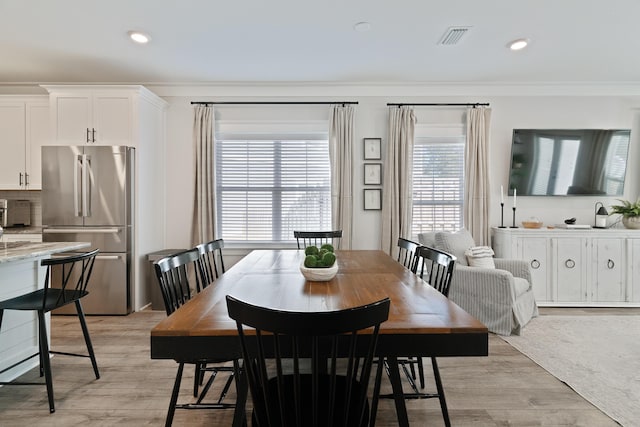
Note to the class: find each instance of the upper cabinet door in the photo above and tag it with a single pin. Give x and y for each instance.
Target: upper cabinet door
(38, 134)
(112, 119)
(100, 117)
(71, 118)
(12, 141)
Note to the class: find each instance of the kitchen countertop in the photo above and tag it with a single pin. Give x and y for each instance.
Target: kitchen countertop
(23, 230)
(15, 251)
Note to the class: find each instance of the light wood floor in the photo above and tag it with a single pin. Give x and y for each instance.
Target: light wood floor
(504, 389)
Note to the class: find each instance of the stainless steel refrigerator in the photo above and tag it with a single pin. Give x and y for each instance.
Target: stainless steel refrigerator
(88, 195)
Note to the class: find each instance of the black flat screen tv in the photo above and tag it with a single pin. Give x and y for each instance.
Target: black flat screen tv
(568, 162)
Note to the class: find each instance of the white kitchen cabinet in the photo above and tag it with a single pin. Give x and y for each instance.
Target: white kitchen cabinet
(100, 115)
(591, 267)
(24, 128)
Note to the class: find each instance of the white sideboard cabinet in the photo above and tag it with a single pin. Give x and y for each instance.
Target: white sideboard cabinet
(24, 128)
(577, 267)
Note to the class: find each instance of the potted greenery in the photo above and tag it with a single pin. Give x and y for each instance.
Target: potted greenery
(630, 213)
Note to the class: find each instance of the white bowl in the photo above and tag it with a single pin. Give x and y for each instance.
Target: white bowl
(322, 274)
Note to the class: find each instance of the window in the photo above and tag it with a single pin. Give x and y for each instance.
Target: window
(438, 184)
(267, 187)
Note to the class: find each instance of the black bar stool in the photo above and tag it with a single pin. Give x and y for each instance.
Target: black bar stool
(65, 283)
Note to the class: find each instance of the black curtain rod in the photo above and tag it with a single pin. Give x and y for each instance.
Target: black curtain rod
(271, 103)
(477, 104)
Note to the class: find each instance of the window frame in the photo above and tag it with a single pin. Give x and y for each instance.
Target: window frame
(275, 190)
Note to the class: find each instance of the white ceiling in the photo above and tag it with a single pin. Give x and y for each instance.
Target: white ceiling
(283, 41)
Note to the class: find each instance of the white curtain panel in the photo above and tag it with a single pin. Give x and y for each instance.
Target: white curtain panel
(398, 181)
(476, 180)
(205, 194)
(341, 159)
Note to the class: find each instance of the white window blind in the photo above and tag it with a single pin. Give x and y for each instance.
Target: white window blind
(438, 184)
(266, 188)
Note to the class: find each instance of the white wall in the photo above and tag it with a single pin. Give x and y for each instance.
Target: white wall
(528, 110)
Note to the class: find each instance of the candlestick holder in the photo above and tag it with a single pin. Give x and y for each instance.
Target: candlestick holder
(514, 218)
(502, 215)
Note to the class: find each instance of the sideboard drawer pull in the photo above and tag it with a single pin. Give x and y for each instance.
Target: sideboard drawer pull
(535, 264)
(570, 263)
(610, 264)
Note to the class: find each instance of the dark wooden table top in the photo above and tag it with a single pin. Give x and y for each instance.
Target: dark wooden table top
(272, 278)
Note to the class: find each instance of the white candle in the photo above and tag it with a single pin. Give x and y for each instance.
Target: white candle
(514, 197)
(501, 195)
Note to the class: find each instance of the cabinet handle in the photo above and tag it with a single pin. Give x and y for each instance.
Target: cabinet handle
(570, 263)
(93, 134)
(88, 135)
(610, 264)
(20, 179)
(535, 264)
(26, 178)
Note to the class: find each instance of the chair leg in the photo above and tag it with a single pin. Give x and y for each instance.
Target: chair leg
(196, 378)
(174, 396)
(443, 403)
(44, 349)
(87, 338)
(420, 371)
(239, 413)
(376, 392)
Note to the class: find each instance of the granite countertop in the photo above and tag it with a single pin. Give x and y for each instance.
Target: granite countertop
(23, 230)
(16, 251)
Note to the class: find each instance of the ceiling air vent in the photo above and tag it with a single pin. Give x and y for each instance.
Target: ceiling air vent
(453, 35)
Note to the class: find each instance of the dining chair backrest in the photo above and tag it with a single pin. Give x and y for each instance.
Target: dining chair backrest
(439, 268)
(174, 273)
(318, 238)
(291, 396)
(67, 278)
(210, 263)
(407, 253)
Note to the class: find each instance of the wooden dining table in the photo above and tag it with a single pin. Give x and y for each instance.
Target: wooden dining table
(422, 322)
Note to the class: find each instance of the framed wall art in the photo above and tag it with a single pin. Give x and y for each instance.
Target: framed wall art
(372, 147)
(373, 173)
(372, 199)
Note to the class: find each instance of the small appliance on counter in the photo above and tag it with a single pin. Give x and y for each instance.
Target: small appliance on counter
(15, 213)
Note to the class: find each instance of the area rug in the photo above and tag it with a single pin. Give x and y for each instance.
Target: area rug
(596, 355)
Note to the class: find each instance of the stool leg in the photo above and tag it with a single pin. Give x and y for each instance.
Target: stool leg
(87, 338)
(44, 348)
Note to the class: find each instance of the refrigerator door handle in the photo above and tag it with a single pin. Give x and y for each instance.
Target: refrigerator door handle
(77, 185)
(84, 230)
(108, 257)
(86, 186)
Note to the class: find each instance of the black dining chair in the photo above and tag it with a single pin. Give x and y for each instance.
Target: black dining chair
(308, 368)
(436, 268)
(318, 238)
(175, 275)
(211, 262)
(66, 280)
(407, 253)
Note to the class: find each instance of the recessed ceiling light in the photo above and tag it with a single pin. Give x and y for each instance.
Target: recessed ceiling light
(518, 44)
(139, 37)
(362, 27)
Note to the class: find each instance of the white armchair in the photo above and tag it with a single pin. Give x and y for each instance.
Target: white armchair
(501, 298)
